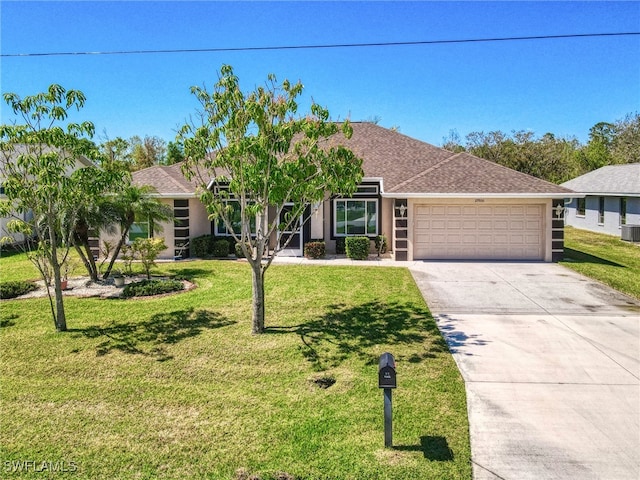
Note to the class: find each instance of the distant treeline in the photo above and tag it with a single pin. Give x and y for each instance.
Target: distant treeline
(552, 158)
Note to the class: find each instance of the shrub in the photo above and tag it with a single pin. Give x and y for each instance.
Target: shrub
(340, 248)
(220, 248)
(357, 247)
(238, 248)
(201, 246)
(13, 289)
(314, 249)
(381, 244)
(145, 288)
(147, 250)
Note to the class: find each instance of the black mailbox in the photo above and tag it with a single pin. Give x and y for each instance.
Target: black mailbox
(387, 371)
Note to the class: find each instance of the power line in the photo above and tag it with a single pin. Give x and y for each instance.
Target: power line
(308, 47)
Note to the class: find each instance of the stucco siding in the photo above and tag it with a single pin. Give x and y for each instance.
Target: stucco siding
(611, 224)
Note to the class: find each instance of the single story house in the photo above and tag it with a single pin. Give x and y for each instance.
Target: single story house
(611, 198)
(430, 203)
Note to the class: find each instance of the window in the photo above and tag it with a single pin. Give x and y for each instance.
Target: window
(139, 230)
(600, 210)
(355, 217)
(236, 221)
(623, 210)
(581, 207)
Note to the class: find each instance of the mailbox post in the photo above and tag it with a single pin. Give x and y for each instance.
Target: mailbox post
(387, 381)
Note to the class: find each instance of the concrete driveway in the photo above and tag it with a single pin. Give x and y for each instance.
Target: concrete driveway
(551, 362)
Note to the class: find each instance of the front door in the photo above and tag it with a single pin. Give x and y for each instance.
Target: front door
(293, 234)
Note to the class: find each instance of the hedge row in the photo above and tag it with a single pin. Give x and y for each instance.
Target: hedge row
(145, 288)
(13, 289)
(209, 246)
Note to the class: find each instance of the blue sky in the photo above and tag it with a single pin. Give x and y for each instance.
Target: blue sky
(562, 86)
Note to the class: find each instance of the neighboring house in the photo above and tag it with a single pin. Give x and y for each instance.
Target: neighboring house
(611, 199)
(430, 204)
(81, 162)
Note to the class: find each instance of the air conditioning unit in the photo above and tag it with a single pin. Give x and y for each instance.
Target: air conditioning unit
(631, 233)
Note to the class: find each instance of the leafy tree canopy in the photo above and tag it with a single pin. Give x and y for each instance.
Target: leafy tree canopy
(265, 156)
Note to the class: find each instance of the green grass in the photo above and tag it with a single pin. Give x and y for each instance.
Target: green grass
(16, 266)
(177, 387)
(605, 258)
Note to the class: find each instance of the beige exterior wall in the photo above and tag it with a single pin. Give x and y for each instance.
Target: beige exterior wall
(199, 224)
(317, 221)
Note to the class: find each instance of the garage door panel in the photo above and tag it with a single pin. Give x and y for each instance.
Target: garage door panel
(478, 232)
(500, 224)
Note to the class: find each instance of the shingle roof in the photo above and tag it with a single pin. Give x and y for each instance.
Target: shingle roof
(612, 179)
(409, 166)
(167, 180)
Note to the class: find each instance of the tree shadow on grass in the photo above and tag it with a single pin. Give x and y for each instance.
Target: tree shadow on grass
(8, 321)
(343, 332)
(433, 448)
(150, 337)
(576, 256)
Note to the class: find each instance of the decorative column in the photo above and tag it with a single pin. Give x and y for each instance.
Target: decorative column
(400, 230)
(557, 230)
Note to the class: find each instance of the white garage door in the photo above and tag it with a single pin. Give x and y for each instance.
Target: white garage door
(467, 232)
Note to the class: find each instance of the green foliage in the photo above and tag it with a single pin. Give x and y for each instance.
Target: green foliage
(239, 251)
(340, 246)
(135, 202)
(262, 154)
(220, 248)
(553, 158)
(314, 249)
(381, 244)
(357, 247)
(201, 246)
(146, 288)
(147, 250)
(127, 255)
(207, 245)
(175, 153)
(40, 156)
(147, 152)
(15, 288)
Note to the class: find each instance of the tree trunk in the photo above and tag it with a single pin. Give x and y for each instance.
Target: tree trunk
(258, 298)
(116, 252)
(60, 319)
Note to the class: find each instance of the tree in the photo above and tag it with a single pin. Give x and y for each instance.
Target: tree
(626, 143)
(131, 204)
(175, 153)
(37, 158)
(263, 159)
(147, 152)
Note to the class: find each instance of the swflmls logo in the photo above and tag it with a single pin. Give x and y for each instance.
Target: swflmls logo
(16, 466)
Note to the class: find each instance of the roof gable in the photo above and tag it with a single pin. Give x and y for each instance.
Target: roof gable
(412, 167)
(167, 180)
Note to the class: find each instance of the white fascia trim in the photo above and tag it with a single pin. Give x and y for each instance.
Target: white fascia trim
(609, 194)
(380, 180)
(173, 195)
(482, 195)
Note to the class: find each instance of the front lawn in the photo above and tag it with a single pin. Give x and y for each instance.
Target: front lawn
(177, 387)
(605, 258)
